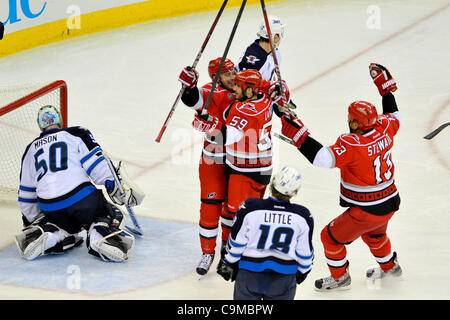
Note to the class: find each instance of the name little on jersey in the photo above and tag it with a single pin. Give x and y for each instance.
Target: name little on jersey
(277, 218)
(47, 139)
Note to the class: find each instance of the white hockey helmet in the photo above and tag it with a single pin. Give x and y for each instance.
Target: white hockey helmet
(276, 27)
(48, 116)
(287, 181)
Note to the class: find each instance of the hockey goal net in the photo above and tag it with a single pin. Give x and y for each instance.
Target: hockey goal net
(19, 105)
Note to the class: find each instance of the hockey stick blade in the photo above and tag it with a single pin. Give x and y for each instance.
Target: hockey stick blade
(432, 134)
(137, 230)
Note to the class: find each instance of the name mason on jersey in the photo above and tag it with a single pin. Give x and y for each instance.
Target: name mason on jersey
(379, 146)
(45, 140)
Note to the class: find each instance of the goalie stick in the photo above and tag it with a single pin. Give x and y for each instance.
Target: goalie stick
(432, 134)
(197, 59)
(137, 228)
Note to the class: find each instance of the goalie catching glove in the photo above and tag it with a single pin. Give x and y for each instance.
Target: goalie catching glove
(130, 194)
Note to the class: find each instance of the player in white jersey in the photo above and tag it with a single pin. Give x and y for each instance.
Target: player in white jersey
(270, 246)
(258, 55)
(58, 197)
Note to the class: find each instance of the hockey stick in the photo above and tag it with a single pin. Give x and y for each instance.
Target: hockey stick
(282, 138)
(137, 228)
(275, 60)
(432, 134)
(197, 59)
(230, 39)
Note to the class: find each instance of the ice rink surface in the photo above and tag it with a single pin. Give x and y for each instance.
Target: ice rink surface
(123, 82)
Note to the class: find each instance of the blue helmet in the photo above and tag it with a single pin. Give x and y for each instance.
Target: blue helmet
(48, 116)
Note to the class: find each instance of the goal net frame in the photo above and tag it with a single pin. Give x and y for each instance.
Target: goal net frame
(7, 193)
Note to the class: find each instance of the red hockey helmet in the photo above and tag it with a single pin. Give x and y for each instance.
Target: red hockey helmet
(213, 67)
(364, 113)
(249, 78)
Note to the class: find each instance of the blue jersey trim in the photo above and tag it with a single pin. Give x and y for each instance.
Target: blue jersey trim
(95, 164)
(29, 189)
(90, 154)
(268, 264)
(28, 200)
(80, 195)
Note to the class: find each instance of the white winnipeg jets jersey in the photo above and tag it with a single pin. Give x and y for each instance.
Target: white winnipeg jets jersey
(268, 234)
(57, 168)
(255, 57)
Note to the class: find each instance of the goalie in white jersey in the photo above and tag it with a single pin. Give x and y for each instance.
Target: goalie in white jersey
(58, 197)
(270, 246)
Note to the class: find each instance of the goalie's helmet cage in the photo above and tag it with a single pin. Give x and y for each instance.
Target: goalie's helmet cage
(287, 181)
(213, 67)
(48, 116)
(249, 78)
(364, 113)
(276, 27)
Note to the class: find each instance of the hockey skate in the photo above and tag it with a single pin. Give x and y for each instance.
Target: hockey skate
(205, 263)
(329, 283)
(375, 273)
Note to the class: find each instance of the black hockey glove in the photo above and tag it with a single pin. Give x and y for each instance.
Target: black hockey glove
(300, 277)
(227, 270)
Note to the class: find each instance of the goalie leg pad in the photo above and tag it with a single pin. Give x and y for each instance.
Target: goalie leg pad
(31, 242)
(109, 243)
(36, 241)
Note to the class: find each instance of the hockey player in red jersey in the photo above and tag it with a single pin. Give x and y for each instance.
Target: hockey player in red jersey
(247, 137)
(213, 180)
(367, 182)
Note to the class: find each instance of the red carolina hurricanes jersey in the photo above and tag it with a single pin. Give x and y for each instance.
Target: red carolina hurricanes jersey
(221, 99)
(367, 169)
(252, 154)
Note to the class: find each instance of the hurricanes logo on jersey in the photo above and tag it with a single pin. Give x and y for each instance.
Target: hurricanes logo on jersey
(248, 106)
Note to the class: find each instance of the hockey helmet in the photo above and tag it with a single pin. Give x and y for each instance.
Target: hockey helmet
(276, 27)
(47, 116)
(287, 181)
(249, 78)
(364, 113)
(213, 66)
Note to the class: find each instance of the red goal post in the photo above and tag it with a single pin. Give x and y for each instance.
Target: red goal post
(19, 105)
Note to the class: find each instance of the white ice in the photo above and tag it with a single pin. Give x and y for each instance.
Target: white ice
(123, 82)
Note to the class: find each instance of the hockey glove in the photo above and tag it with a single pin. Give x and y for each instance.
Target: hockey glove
(294, 129)
(117, 196)
(276, 95)
(300, 277)
(227, 270)
(382, 79)
(207, 123)
(188, 77)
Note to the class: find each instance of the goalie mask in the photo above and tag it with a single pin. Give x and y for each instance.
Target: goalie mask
(48, 116)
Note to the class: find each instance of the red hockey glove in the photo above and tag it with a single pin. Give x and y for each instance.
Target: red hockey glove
(294, 129)
(382, 78)
(207, 123)
(188, 77)
(276, 95)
